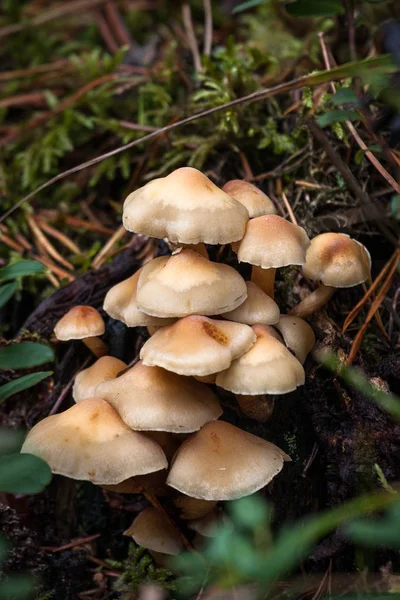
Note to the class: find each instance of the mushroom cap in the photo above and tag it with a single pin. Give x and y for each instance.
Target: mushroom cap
(150, 398)
(337, 260)
(193, 508)
(256, 202)
(185, 207)
(90, 442)
(197, 345)
(298, 335)
(222, 462)
(86, 382)
(267, 368)
(186, 283)
(79, 323)
(151, 530)
(271, 242)
(120, 303)
(209, 524)
(257, 308)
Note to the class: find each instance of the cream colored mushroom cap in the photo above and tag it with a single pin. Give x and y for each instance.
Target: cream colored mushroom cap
(79, 323)
(151, 530)
(197, 345)
(222, 462)
(86, 382)
(185, 207)
(298, 335)
(256, 202)
(90, 442)
(120, 303)
(150, 398)
(271, 242)
(267, 368)
(337, 260)
(257, 308)
(186, 283)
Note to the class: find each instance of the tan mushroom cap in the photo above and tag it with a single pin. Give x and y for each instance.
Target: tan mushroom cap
(298, 335)
(222, 462)
(272, 242)
(267, 368)
(90, 442)
(337, 260)
(86, 382)
(79, 323)
(120, 303)
(197, 345)
(193, 508)
(257, 308)
(150, 398)
(185, 207)
(256, 202)
(151, 530)
(186, 283)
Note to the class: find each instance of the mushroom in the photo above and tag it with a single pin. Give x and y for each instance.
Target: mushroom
(298, 335)
(83, 323)
(187, 208)
(197, 345)
(150, 398)
(258, 308)
(256, 202)
(337, 261)
(259, 408)
(90, 442)
(86, 382)
(193, 508)
(271, 242)
(222, 462)
(188, 284)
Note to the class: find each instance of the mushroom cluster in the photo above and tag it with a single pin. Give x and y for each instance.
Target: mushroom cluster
(155, 428)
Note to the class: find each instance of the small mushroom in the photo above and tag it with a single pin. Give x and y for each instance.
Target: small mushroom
(298, 335)
(90, 442)
(256, 202)
(259, 408)
(197, 345)
(222, 462)
(86, 382)
(83, 323)
(187, 208)
(193, 508)
(258, 308)
(152, 531)
(271, 242)
(150, 398)
(188, 284)
(337, 261)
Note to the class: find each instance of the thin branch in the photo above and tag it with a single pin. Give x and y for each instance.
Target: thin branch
(191, 37)
(208, 27)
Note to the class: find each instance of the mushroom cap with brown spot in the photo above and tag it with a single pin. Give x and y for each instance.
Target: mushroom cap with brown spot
(257, 308)
(197, 345)
(271, 242)
(256, 202)
(222, 462)
(151, 530)
(298, 335)
(150, 398)
(185, 207)
(86, 382)
(337, 260)
(90, 442)
(186, 283)
(267, 368)
(79, 323)
(120, 303)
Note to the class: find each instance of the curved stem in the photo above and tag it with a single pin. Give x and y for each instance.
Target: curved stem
(265, 279)
(259, 408)
(96, 345)
(313, 302)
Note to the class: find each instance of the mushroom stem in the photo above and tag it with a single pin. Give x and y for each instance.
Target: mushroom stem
(259, 408)
(313, 302)
(199, 248)
(96, 345)
(265, 279)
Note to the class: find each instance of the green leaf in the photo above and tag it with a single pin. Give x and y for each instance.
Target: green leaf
(11, 440)
(21, 268)
(25, 355)
(337, 116)
(6, 291)
(250, 512)
(22, 383)
(344, 96)
(246, 5)
(17, 587)
(23, 474)
(315, 8)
